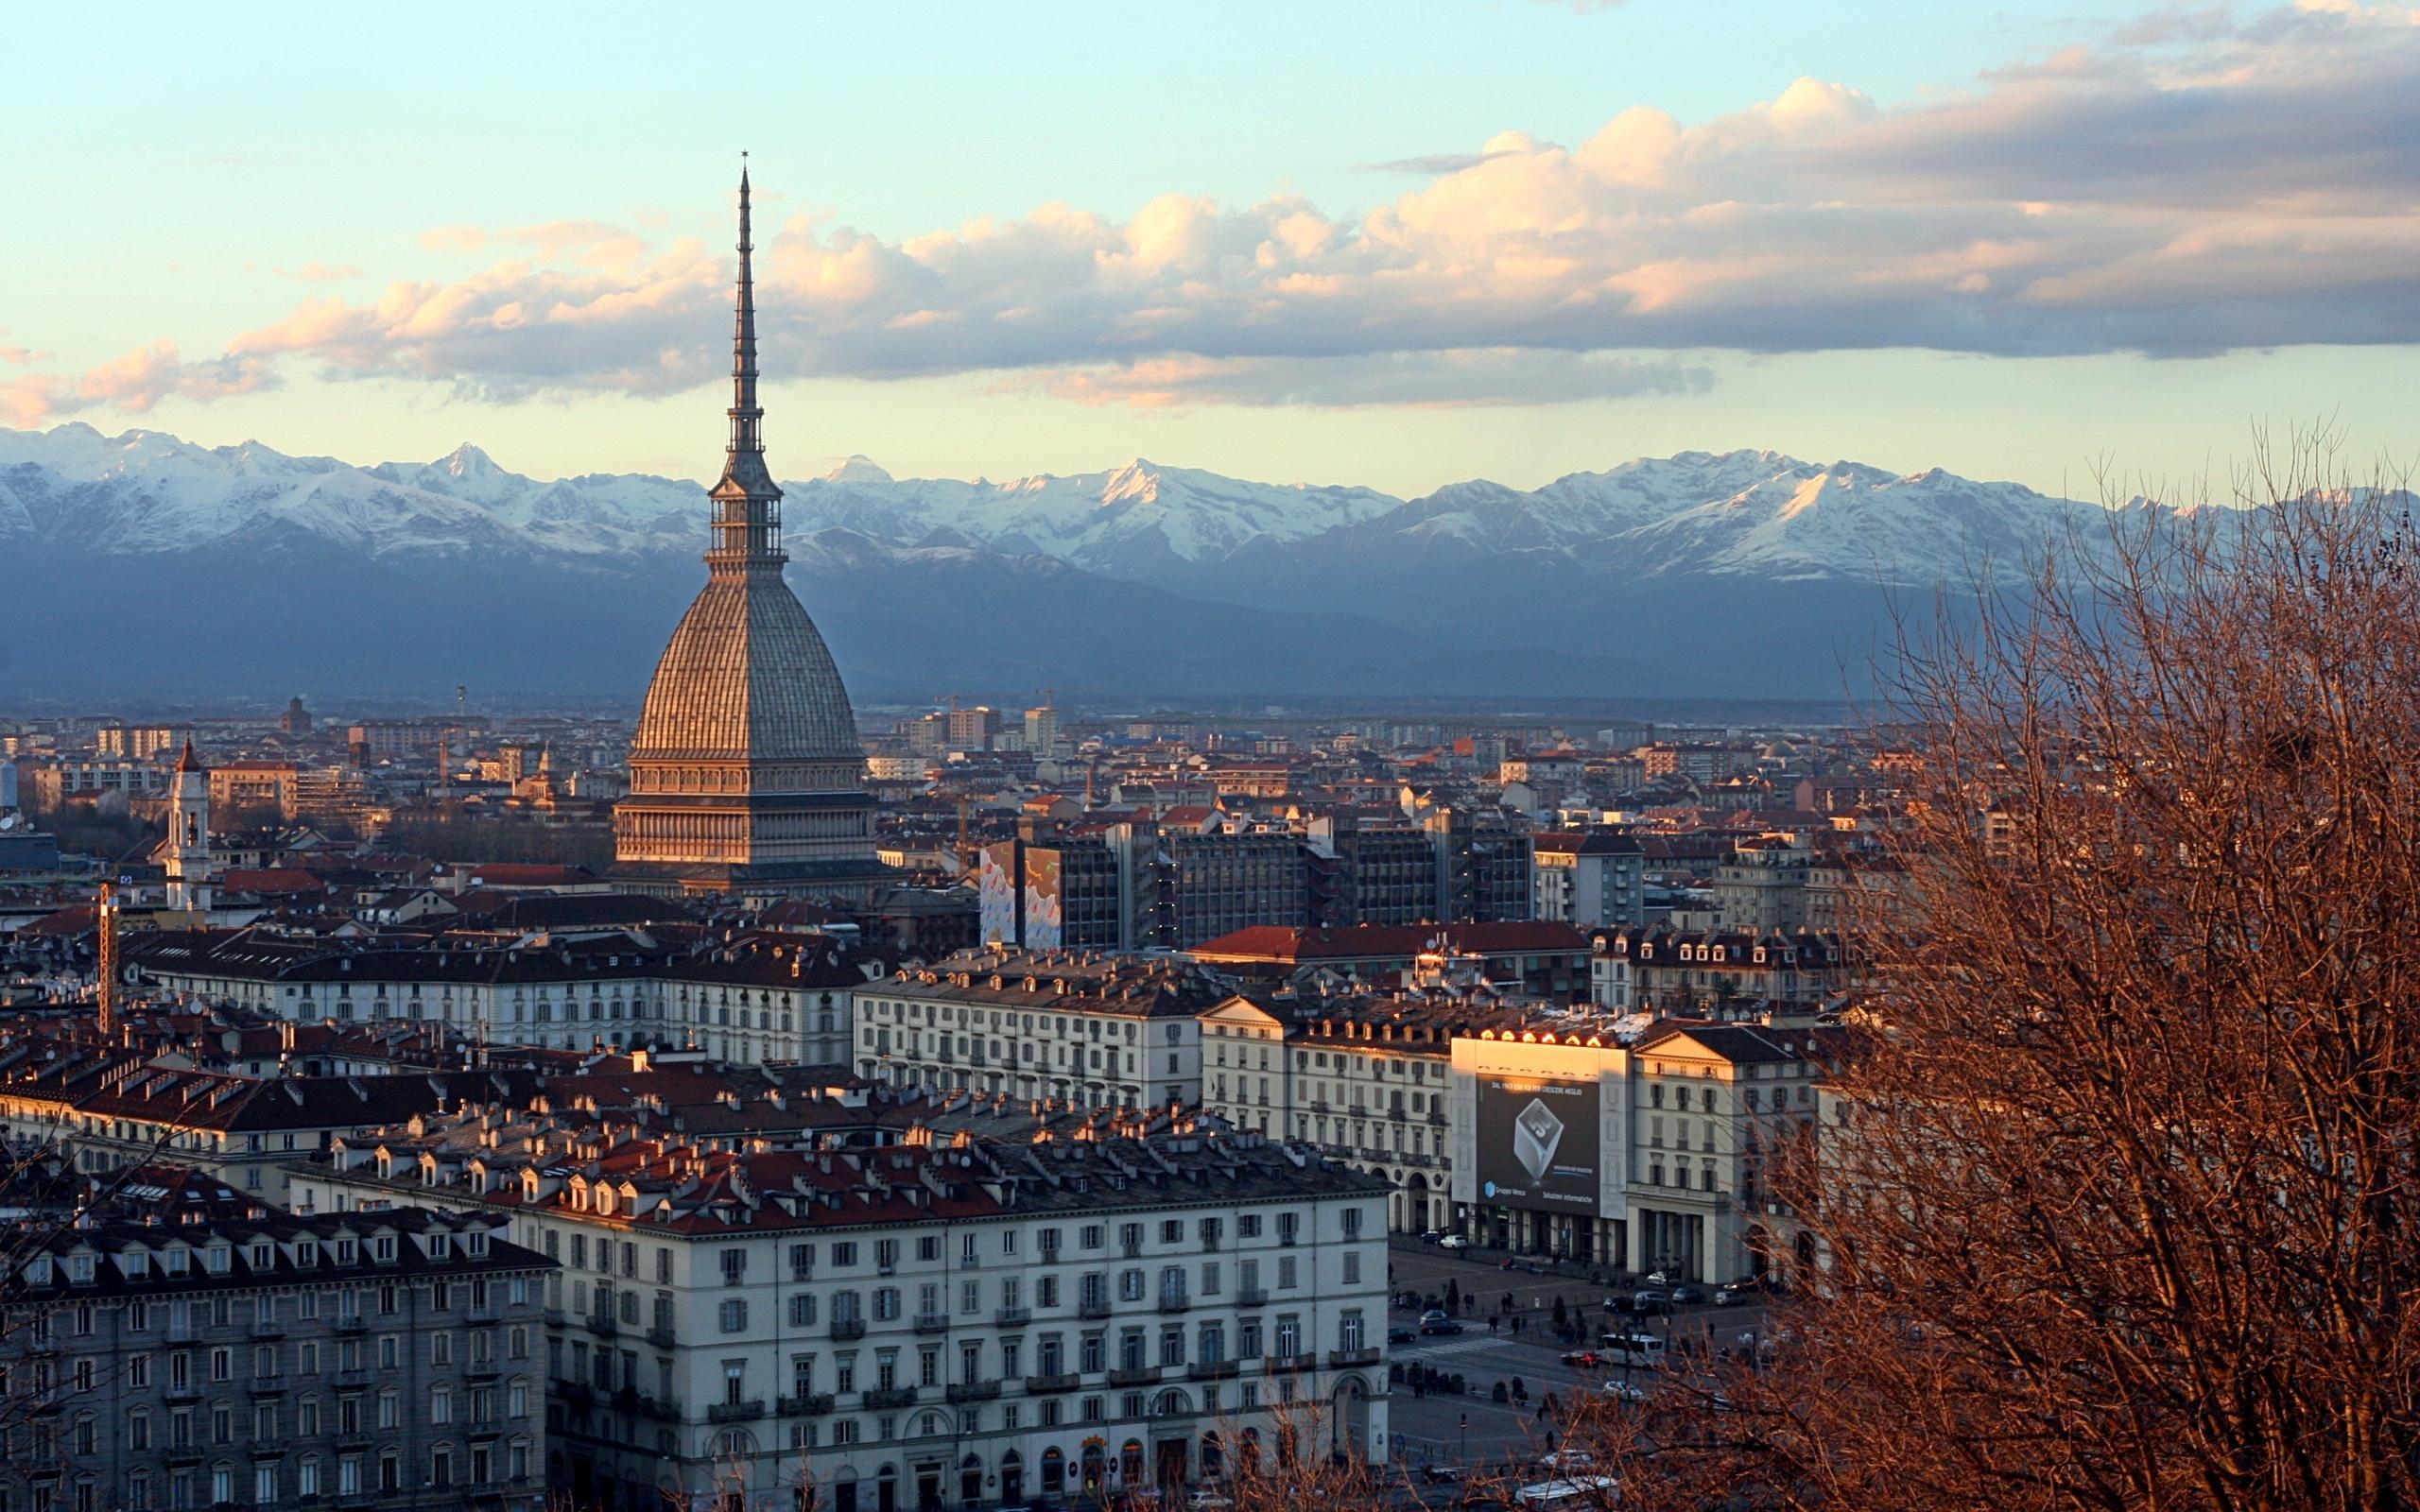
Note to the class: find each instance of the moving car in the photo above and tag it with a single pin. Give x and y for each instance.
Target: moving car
(1431, 1237)
(1624, 1391)
(1563, 1461)
(1686, 1296)
(1399, 1334)
(1649, 1301)
(1584, 1359)
(1730, 1295)
(1575, 1491)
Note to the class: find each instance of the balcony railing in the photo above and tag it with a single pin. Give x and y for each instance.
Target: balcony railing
(661, 1337)
(1140, 1376)
(602, 1324)
(1280, 1365)
(1010, 1317)
(1173, 1302)
(1052, 1385)
(1093, 1309)
(268, 1328)
(892, 1396)
(1340, 1359)
(814, 1404)
(736, 1412)
(848, 1328)
(1212, 1369)
(1252, 1296)
(972, 1391)
(932, 1322)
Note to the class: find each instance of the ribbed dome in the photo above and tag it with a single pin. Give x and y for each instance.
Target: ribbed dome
(747, 678)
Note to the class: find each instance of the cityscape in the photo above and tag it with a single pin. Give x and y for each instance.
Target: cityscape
(1710, 980)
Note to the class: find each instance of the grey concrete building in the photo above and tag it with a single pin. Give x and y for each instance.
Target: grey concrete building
(369, 1360)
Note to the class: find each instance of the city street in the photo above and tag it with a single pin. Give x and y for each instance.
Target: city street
(1473, 1427)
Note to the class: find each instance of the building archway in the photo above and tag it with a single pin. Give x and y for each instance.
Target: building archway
(1351, 1416)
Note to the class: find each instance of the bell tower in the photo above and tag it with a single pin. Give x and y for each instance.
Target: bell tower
(189, 865)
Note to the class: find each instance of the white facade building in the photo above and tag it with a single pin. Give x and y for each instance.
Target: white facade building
(1096, 1030)
(922, 1325)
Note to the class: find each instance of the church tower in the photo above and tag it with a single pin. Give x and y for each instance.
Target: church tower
(189, 865)
(747, 775)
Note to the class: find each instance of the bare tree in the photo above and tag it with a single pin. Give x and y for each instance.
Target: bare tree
(2114, 1196)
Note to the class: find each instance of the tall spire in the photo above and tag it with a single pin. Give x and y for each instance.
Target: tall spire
(747, 514)
(745, 435)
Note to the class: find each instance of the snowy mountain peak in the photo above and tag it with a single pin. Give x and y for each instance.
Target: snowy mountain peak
(468, 461)
(858, 469)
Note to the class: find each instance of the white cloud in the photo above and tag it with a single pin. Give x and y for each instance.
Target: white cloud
(132, 384)
(2188, 184)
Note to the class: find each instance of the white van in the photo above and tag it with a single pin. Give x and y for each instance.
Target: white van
(1637, 1350)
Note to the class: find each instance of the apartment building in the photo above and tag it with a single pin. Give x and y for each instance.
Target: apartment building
(1364, 1079)
(1714, 973)
(1095, 1029)
(941, 1322)
(109, 1108)
(1712, 1104)
(1590, 879)
(770, 997)
(388, 1360)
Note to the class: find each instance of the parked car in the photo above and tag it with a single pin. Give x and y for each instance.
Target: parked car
(1686, 1296)
(1623, 1391)
(1431, 1237)
(1648, 1301)
(1400, 1334)
(1564, 1461)
(1657, 1277)
(1730, 1295)
(1453, 1242)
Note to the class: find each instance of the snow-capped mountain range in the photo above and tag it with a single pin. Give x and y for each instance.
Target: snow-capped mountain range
(1746, 512)
(1594, 578)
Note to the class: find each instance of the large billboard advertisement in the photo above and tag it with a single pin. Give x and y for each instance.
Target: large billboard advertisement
(996, 893)
(1537, 1142)
(1044, 919)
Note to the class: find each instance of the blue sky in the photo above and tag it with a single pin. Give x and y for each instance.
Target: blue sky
(1397, 243)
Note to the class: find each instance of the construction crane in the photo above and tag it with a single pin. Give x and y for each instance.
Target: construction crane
(105, 991)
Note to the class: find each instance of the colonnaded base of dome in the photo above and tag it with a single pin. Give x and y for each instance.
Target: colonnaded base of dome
(852, 878)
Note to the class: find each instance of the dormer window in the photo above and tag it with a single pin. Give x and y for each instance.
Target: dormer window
(306, 1254)
(263, 1256)
(383, 1247)
(80, 1267)
(348, 1252)
(37, 1270)
(135, 1264)
(175, 1262)
(216, 1257)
